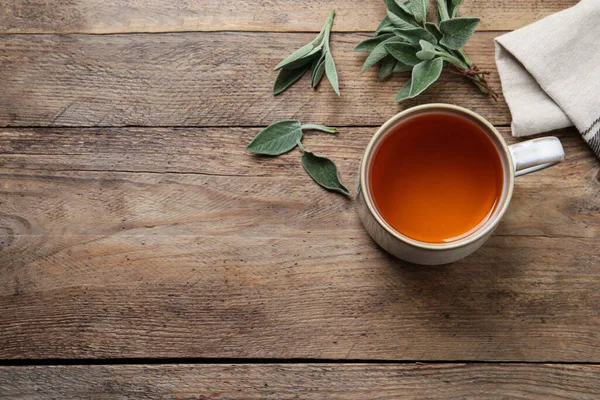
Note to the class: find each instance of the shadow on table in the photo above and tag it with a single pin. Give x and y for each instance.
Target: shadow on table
(486, 293)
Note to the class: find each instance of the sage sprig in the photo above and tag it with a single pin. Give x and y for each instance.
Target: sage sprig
(283, 136)
(314, 57)
(405, 41)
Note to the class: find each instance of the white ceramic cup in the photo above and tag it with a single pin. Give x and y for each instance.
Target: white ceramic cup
(518, 159)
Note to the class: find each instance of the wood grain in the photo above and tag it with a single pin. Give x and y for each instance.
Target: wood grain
(306, 381)
(115, 16)
(572, 210)
(204, 79)
(233, 261)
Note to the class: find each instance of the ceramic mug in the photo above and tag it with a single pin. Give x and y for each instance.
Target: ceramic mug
(518, 159)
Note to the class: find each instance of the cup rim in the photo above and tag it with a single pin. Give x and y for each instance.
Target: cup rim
(478, 234)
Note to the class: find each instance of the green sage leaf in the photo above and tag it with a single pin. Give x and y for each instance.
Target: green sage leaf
(385, 23)
(434, 30)
(323, 171)
(398, 11)
(428, 51)
(387, 67)
(419, 8)
(386, 30)
(287, 77)
(401, 67)
(413, 35)
(331, 72)
(397, 22)
(403, 52)
(302, 61)
(453, 7)
(404, 6)
(404, 93)
(378, 53)
(276, 139)
(369, 44)
(302, 52)
(424, 74)
(457, 31)
(317, 71)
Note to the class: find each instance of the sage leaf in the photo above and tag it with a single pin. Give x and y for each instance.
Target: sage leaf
(323, 171)
(398, 11)
(276, 139)
(302, 61)
(404, 93)
(413, 35)
(386, 30)
(434, 30)
(442, 10)
(428, 51)
(287, 77)
(457, 31)
(419, 8)
(404, 6)
(378, 53)
(315, 64)
(424, 74)
(369, 44)
(385, 22)
(397, 22)
(387, 67)
(297, 55)
(331, 73)
(453, 7)
(321, 128)
(426, 55)
(400, 67)
(317, 72)
(403, 52)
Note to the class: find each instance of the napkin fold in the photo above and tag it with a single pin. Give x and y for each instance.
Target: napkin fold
(550, 73)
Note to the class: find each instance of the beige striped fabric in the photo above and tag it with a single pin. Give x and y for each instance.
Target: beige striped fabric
(550, 73)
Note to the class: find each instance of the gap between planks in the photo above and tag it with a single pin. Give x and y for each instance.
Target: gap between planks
(263, 361)
(83, 33)
(71, 127)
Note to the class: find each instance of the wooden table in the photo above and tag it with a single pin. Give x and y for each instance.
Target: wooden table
(144, 254)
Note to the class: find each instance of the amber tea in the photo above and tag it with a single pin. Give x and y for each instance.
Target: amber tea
(436, 177)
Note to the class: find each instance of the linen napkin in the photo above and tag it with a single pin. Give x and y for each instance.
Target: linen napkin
(550, 73)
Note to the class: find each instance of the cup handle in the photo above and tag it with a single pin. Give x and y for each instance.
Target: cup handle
(536, 154)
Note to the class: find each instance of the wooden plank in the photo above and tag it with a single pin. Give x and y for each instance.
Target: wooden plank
(572, 210)
(204, 79)
(114, 16)
(116, 264)
(306, 381)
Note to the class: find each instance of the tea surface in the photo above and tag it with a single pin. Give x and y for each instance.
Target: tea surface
(436, 177)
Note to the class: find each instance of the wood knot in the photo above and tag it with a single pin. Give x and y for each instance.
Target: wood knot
(12, 226)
